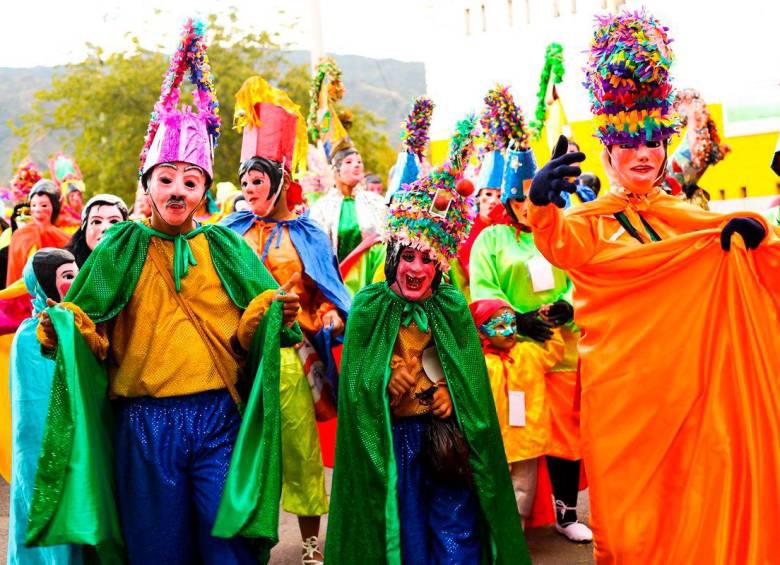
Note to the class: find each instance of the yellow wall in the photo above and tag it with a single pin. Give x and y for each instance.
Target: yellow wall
(747, 165)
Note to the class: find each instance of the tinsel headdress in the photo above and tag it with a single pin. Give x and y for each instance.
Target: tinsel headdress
(435, 213)
(628, 79)
(272, 125)
(323, 122)
(414, 138)
(27, 174)
(701, 146)
(552, 72)
(180, 134)
(504, 128)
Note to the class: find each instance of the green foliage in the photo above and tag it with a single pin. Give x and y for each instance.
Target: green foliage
(99, 108)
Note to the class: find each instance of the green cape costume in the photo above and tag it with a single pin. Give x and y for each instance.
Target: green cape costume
(363, 526)
(74, 500)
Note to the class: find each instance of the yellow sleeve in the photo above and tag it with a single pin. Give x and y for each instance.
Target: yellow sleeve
(95, 336)
(250, 319)
(495, 371)
(566, 241)
(552, 352)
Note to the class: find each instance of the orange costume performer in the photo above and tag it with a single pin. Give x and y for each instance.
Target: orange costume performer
(680, 423)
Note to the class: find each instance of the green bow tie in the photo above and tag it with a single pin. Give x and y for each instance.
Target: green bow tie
(413, 311)
(182, 254)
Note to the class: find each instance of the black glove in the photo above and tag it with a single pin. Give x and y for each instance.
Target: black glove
(531, 325)
(550, 180)
(751, 230)
(560, 313)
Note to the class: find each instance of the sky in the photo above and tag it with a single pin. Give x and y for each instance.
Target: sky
(60, 29)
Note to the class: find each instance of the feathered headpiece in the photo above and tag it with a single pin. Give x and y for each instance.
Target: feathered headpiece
(180, 134)
(435, 213)
(272, 125)
(503, 126)
(628, 79)
(414, 138)
(27, 174)
(66, 173)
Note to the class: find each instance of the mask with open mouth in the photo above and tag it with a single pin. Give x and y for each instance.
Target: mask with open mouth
(415, 275)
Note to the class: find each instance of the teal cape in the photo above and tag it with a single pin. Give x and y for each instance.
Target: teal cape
(74, 490)
(363, 526)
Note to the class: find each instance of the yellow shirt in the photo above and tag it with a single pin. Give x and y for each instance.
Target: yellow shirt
(155, 348)
(523, 369)
(407, 354)
(284, 261)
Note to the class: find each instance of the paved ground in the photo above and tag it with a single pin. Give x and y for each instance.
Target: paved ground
(546, 545)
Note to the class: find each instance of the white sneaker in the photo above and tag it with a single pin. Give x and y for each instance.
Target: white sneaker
(311, 547)
(576, 532)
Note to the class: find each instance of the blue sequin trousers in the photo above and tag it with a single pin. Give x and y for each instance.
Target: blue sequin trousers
(439, 523)
(172, 456)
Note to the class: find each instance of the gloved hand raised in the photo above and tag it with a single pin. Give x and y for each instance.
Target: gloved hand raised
(531, 325)
(751, 230)
(558, 313)
(550, 180)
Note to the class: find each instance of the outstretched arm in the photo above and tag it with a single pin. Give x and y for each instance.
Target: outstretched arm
(565, 242)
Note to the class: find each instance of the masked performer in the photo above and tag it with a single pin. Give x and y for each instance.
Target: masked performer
(47, 276)
(149, 286)
(40, 232)
(347, 212)
(273, 149)
(361, 266)
(516, 370)
(67, 176)
(418, 442)
(101, 212)
(506, 265)
(674, 438)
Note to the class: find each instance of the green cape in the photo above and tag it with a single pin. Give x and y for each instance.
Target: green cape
(73, 501)
(363, 526)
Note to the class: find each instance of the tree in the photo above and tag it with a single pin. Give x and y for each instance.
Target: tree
(99, 108)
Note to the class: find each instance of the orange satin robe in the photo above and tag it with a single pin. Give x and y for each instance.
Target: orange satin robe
(680, 421)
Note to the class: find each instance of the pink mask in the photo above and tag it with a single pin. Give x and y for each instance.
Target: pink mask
(256, 186)
(415, 274)
(638, 168)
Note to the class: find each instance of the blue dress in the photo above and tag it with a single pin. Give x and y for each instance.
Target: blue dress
(31, 378)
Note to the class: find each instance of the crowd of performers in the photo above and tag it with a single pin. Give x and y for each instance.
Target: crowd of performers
(487, 347)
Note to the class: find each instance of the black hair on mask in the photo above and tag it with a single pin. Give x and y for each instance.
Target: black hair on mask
(45, 263)
(273, 169)
(52, 192)
(393, 258)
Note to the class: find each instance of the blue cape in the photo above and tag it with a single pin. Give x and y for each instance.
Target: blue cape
(319, 263)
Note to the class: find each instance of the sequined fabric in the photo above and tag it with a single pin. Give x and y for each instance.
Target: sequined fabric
(369, 532)
(438, 523)
(407, 355)
(142, 362)
(172, 457)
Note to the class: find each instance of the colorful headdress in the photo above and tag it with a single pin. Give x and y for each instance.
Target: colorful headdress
(435, 213)
(66, 173)
(272, 125)
(628, 79)
(25, 178)
(323, 122)
(180, 134)
(504, 126)
(414, 138)
(701, 146)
